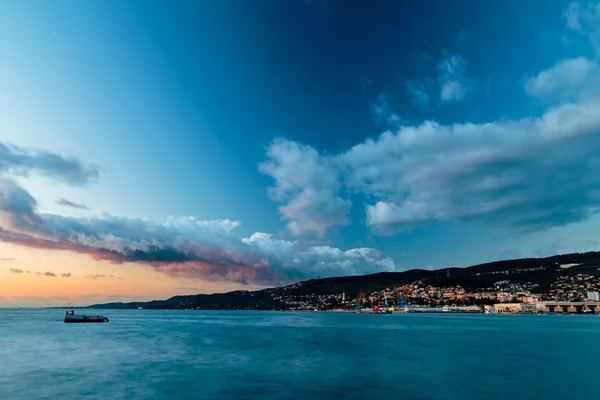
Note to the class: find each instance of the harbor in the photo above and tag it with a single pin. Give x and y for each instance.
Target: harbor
(500, 308)
(400, 305)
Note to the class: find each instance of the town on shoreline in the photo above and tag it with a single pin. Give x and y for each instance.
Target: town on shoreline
(570, 294)
(560, 284)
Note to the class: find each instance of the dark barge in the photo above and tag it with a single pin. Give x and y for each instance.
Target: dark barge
(70, 317)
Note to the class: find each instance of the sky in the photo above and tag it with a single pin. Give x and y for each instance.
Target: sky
(151, 148)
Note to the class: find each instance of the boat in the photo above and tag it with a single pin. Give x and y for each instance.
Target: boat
(71, 317)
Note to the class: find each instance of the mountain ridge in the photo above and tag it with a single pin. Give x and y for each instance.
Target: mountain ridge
(540, 271)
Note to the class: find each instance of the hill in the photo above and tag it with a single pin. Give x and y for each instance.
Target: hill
(539, 271)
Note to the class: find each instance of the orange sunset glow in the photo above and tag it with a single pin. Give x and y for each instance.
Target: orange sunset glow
(40, 278)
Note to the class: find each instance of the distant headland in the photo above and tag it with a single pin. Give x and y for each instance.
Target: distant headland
(562, 283)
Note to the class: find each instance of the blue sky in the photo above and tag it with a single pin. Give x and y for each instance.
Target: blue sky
(419, 134)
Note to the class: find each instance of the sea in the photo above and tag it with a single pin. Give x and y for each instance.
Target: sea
(145, 354)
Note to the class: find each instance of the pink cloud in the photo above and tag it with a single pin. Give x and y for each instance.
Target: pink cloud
(176, 246)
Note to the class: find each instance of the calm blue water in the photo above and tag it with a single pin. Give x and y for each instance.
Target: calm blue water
(269, 355)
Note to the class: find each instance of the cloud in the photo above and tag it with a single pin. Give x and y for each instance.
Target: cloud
(452, 90)
(50, 274)
(421, 93)
(67, 275)
(527, 174)
(568, 80)
(382, 113)
(572, 15)
(453, 79)
(95, 276)
(101, 276)
(453, 84)
(64, 202)
(15, 270)
(184, 246)
(191, 223)
(318, 260)
(307, 185)
(7, 259)
(584, 18)
(21, 161)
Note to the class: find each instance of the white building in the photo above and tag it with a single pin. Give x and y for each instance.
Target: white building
(594, 296)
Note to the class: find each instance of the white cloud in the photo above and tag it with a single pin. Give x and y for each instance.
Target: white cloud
(192, 223)
(382, 113)
(572, 15)
(382, 215)
(567, 80)
(453, 79)
(453, 84)
(452, 90)
(308, 186)
(452, 65)
(584, 18)
(319, 260)
(527, 174)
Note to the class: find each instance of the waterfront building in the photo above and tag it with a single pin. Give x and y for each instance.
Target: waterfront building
(558, 307)
(516, 308)
(530, 299)
(594, 296)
